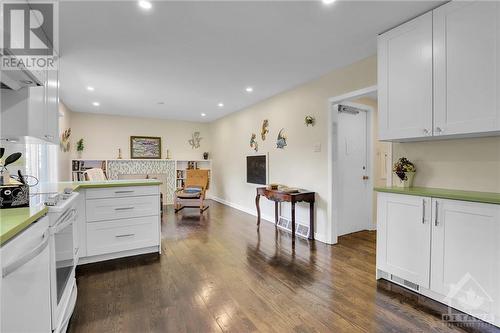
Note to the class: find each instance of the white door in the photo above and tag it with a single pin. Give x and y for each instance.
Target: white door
(466, 254)
(405, 80)
(467, 67)
(353, 187)
(404, 236)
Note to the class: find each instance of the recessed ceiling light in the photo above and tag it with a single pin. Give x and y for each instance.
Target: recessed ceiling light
(96, 104)
(221, 105)
(328, 2)
(145, 4)
(203, 114)
(249, 89)
(89, 88)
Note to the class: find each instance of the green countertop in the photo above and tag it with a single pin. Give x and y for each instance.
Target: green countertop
(483, 197)
(15, 220)
(111, 183)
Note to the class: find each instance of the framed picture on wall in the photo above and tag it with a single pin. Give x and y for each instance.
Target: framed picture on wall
(147, 147)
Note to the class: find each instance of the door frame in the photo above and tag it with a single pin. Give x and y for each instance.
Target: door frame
(333, 174)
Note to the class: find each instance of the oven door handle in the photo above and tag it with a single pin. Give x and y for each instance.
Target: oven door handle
(64, 222)
(10, 268)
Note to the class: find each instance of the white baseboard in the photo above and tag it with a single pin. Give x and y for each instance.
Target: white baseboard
(319, 237)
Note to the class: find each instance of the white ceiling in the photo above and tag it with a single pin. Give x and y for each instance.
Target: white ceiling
(193, 55)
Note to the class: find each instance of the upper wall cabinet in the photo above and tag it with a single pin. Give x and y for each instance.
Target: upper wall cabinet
(467, 68)
(405, 80)
(439, 74)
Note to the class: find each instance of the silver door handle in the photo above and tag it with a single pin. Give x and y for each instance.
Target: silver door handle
(125, 235)
(436, 222)
(423, 211)
(28, 256)
(124, 208)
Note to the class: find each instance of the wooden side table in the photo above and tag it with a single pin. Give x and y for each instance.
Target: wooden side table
(279, 196)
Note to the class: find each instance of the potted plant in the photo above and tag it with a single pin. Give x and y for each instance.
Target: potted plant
(80, 147)
(405, 170)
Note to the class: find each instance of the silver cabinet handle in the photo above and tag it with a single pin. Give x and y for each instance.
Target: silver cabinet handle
(121, 192)
(436, 222)
(124, 235)
(423, 211)
(28, 256)
(124, 208)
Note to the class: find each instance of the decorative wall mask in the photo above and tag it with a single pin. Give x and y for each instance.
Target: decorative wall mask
(65, 144)
(281, 140)
(253, 143)
(309, 120)
(264, 130)
(195, 140)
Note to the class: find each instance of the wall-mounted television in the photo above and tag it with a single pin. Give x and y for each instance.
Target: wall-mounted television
(257, 169)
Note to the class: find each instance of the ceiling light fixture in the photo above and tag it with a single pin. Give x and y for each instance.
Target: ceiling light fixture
(145, 4)
(221, 105)
(328, 2)
(89, 88)
(203, 114)
(249, 89)
(96, 104)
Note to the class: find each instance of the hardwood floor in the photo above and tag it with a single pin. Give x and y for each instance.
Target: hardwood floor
(218, 274)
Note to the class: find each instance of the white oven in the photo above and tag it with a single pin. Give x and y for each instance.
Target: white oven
(63, 260)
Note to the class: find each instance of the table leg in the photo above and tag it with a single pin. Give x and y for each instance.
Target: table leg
(258, 208)
(293, 219)
(276, 214)
(311, 220)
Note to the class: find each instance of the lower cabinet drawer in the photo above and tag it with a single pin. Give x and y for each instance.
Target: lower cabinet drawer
(121, 235)
(120, 208)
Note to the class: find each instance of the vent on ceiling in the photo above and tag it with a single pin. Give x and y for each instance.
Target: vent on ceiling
(300, 229)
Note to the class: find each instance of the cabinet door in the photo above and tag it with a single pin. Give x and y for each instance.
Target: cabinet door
(52, 107)
(25, 290)
(467, 67)
(465, 260)
(404, 236)
(405, 80)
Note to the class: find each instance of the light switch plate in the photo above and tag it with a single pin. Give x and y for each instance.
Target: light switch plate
(317, 147)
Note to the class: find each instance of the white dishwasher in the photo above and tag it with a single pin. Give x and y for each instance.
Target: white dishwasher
(25, 283)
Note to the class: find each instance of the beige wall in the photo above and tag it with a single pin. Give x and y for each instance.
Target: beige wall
(465, 164)
(104, 134)
(296, 165)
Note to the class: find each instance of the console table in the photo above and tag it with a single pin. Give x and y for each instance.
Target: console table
(280, 196)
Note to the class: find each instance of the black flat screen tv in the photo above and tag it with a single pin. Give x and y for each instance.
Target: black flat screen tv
(257, 169)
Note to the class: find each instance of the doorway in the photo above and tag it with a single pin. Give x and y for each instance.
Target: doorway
(351, 204)
(353, 186)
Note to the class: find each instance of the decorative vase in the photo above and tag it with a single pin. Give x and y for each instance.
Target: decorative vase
(407, 181)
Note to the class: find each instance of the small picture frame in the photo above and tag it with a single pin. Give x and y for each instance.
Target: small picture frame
(145, 147)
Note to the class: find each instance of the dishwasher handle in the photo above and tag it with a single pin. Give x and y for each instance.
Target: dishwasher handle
(13, 266)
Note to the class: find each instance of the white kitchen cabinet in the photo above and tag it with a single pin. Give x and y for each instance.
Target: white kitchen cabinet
(439, 74)
(25, 282)
(465, 264)
(404, 237)
(31, 114)
(467, 67)
(405, 80)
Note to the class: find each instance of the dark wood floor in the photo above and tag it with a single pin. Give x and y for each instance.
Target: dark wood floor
(217, 273)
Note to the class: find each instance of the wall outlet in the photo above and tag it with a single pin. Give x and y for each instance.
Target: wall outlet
(317, 147)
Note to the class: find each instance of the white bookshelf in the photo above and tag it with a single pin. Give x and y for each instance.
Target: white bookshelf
(79, 166)
(183, 165)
